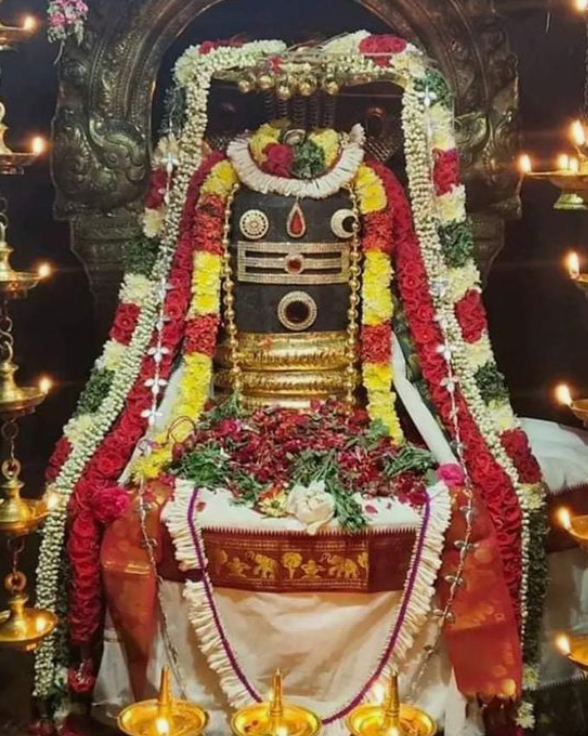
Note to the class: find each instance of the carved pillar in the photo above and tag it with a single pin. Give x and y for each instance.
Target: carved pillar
(102, 127)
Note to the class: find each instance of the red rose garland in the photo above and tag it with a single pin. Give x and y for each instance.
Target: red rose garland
(487, 475)
(86, 513)
(470, 314)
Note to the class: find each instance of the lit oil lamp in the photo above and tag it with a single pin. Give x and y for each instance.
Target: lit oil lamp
(275, 717)
(570, 174)
(13, 162)
(390, 718)
(574, 648)
(11, 37)
(579, 407)
(163, 716)
(22, 628)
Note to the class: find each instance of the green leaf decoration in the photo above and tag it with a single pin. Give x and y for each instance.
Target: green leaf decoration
(457, 242)
(309, 160)
(434, 83)
(95, 391)
(409, 459)
(491, 383)
(206, 467)
(140, 254)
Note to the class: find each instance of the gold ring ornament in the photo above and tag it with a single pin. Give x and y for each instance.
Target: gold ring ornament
(254, 224)
(342, 223)
(297, 311)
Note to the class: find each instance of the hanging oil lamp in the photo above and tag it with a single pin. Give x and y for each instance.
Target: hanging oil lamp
(275, 717)
(11, 37)
(163, 716)
(390, 718)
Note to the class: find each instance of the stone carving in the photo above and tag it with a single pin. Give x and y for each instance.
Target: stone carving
(102, 127)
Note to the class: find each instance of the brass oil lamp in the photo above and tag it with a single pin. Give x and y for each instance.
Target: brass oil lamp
(11, 37)
(163, 716)
(574, 648)
(276, 717)
(390, 718)
(23, 628)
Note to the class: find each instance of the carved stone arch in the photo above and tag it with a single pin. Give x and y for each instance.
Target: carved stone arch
(102, 127)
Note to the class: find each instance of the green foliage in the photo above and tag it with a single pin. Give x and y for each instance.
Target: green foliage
(140, 254)
(409, 459)
(309, 160)
(434, 83)
(457, 242)
(206, 466)
(249, 490)
(491, 383)
(95, 391)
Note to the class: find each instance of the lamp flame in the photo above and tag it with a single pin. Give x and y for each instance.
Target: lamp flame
(564, 518)
(38, 145)
(563, 395)
(379, 693)
(578, 133)
(162, 726)
(573, 264)
(525, 164)
(582, 5)
(29, 24)
(44, 270)
(574, 165)
(52, 500)
(45, 384)
(562, 642)
(563, 160)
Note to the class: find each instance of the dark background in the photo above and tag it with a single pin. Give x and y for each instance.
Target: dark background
(538, 319)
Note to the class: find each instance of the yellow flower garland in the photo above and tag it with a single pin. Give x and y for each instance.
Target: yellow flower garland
(377, 306)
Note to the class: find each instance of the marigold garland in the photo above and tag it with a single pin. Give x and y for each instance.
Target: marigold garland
(377, 305)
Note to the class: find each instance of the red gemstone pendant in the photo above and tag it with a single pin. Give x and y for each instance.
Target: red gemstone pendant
(296, 225)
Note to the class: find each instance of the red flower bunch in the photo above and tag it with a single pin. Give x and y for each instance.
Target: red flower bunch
(42, 727)
(376, 343)
(125, 322)
(516, 445)
(108, 502)
(81, 679)
(278, 159)
(157, 188)
(77, 725)
(377, 232)
(446, 170)
(201, 334)
(471, 315)
(88, 507)
(380, 47)
(207, 229)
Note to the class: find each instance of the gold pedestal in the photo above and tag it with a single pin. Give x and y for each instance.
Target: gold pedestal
(287, 370)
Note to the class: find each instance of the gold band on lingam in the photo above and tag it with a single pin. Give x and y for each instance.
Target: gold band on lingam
(287, 370)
